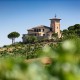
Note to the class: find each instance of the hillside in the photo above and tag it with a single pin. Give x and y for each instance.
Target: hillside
(45, 61)
(27, 51)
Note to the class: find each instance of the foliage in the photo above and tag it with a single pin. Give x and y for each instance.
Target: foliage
(64, 62)
(55, 36)
(25, 50)
(71, 31)
(31, 39)
(13, 35)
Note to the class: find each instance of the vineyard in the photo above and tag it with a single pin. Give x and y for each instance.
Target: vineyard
(21, 50)
(53, 61)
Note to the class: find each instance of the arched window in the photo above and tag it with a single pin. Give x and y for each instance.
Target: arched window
(43, 30)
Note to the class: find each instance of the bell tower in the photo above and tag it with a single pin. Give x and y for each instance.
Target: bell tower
(55, 25)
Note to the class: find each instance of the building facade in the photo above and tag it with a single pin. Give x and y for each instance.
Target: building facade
(43, 31)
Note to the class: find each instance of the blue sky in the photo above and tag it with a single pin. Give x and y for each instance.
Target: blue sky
(20, 15)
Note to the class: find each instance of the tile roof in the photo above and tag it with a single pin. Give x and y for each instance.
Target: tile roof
(40, 26)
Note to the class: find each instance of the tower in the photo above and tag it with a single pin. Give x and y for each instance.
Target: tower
(55, 25)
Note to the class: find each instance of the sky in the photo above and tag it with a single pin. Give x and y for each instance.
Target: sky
(20, 15)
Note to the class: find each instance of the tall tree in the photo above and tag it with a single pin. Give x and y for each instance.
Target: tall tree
(75, 29)
(71, 32)
(13, 35)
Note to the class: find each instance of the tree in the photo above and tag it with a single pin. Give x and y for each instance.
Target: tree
(13, 35)
(65, 32)
(71, 32)
(31, 39)
(55, 36)
(75, 29)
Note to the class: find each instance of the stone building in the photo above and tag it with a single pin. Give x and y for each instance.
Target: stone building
(43, 31)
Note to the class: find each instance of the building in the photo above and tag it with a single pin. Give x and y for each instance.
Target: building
(43, 31)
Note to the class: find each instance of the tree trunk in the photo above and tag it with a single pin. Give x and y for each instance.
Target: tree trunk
(13, 40)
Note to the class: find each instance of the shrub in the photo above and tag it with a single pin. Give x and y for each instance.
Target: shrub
(56, 62)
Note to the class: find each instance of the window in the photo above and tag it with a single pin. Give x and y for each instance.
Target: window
(43, 34)
(39, 30)
(34, 30)
(43, 30)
